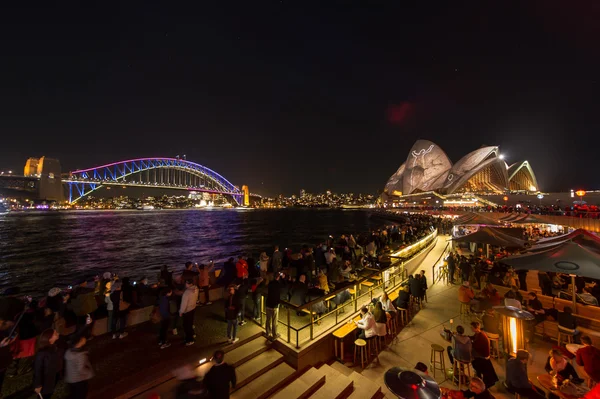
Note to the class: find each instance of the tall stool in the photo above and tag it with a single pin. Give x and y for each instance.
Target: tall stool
(494, 345)
(392, 324)
(403, 314)
(360, 343)
(437, 359)
(465, 309)
(566, 333)
(372, 343)
(459, 367)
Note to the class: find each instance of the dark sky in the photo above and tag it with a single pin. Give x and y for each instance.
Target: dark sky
(301, 94)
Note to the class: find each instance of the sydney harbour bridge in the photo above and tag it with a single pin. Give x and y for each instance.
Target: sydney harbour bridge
(42, 178)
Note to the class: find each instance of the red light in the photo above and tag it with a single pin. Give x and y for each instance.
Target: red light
(414, 387)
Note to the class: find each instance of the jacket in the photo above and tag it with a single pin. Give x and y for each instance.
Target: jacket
(465, 294)
(204, 279)
(368, 324)
(189, 299)
(273, 294)
(589, 358)
(387, 305)
(232, 307)
(164, 306)
(481, 345)
(77, 366)
(516, 374)
(241, 268)
(277, 261)
(46, 366)
(218, 380)
(462, 347)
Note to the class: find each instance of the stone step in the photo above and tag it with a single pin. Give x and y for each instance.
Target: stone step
(247, 351)
(303, 386)
(266, 384)
(256, 366)
(337, 386)
(339, 367)
(363, 387)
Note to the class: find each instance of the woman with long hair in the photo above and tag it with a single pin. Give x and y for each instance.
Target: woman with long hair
(47, 364)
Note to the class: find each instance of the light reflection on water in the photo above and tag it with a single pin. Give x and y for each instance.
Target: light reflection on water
(41, 250)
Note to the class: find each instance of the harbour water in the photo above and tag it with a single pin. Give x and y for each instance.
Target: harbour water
(40, 250)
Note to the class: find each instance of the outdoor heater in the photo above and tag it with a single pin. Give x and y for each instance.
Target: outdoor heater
(513, 328)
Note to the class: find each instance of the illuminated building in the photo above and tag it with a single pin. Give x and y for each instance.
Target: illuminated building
(428, 169)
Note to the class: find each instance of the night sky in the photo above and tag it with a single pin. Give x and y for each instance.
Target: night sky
(300, 94)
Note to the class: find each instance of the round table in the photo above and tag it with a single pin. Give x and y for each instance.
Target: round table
(573, 348)
(546, 382)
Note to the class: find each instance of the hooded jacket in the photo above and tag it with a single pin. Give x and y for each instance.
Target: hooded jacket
(189, 299)
(462, 347)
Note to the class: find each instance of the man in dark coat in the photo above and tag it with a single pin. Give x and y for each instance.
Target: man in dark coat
(220, 377)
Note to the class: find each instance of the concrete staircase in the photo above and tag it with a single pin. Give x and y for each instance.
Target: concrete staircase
(263, 374)
(329, 382)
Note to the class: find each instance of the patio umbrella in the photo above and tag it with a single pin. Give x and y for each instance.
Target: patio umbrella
(579, 236)
(492, 236)
(477, 218)
(567, 257)
(531, 219)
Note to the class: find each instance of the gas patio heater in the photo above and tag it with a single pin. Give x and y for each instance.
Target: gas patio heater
(513, 328)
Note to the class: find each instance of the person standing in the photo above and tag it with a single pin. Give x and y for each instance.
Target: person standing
(78, 369)
(481, 356)
(272, 306)
(204, 281)
(187, 310)
(241, 268)
(47, 364)
(221, 377)
(164, 308)
(276, 260)
(263, 264)
(120, 307)
(231, 314)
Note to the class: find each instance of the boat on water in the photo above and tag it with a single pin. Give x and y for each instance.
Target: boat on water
(147, 208)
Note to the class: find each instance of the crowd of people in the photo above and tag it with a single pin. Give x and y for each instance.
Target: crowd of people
(31, 327)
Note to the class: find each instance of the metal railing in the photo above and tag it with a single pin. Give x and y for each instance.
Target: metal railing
(390, 278)
(439, 263)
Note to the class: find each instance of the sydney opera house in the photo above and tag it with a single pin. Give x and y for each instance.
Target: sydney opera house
(483, 171)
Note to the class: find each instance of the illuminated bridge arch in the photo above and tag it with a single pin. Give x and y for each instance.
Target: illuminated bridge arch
(172, 173)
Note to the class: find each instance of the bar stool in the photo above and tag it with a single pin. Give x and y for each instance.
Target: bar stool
(565, 332)
(372, 343)
(494, 345)
(392, 324)
(437, 359)
(459, 367)
(360, 343)
(403, 315)
(465, 309)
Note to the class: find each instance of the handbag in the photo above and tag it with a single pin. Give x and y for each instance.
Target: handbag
(123, 305)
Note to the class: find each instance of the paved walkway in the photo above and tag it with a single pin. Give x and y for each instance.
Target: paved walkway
(414, 342)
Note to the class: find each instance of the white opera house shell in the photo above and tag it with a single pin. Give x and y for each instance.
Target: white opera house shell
(428, 169)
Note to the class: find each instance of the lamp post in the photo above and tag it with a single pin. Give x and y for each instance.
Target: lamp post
(540, 196)
(580, 194)
(513, 329)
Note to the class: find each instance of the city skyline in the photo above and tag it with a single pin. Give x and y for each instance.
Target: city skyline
(282, 96)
